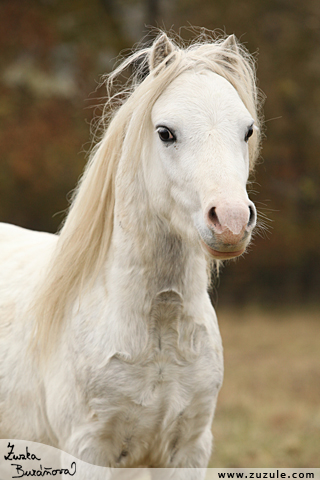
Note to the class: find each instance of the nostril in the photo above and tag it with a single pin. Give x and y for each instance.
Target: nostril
(213, 218)
(252, 216)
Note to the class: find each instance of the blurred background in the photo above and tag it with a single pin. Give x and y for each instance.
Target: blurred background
(53, 53)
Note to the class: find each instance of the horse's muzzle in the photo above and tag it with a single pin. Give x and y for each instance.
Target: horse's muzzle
(228, 229)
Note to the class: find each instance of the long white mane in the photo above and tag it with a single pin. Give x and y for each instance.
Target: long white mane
(84, 240)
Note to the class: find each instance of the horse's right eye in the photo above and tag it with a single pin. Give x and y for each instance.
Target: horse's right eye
(249, 133)
(166, 135)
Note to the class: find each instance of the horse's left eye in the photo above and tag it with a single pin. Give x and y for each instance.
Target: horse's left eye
(166, 135)
(249, 133)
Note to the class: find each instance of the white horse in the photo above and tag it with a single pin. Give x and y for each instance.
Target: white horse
(109, 346)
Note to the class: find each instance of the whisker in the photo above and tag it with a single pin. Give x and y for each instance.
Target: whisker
(274, 118)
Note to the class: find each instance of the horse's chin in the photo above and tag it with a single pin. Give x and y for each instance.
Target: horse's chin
(221, 255)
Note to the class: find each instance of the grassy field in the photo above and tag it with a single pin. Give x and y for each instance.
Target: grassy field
(268, 412)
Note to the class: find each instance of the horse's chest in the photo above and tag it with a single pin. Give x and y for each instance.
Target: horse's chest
(159, 373)
(154, 398)
(174, 363)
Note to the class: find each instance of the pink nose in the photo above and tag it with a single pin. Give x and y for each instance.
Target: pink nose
(231, 222)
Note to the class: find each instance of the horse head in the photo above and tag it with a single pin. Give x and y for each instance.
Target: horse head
(202, 131)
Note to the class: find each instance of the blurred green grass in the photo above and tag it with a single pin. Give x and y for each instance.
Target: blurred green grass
(268, 412)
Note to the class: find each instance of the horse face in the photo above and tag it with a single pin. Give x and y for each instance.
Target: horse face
(201, 134)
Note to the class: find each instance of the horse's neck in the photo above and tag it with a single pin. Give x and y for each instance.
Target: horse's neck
(150, 250)
(149, 262)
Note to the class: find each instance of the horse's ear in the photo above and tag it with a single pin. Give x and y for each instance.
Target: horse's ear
(160, 50)
(230, 43)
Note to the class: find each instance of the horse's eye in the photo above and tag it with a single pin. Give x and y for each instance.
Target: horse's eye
(166, 135)
(249, 133)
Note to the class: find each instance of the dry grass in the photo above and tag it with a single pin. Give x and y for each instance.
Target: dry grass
(268, 412)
